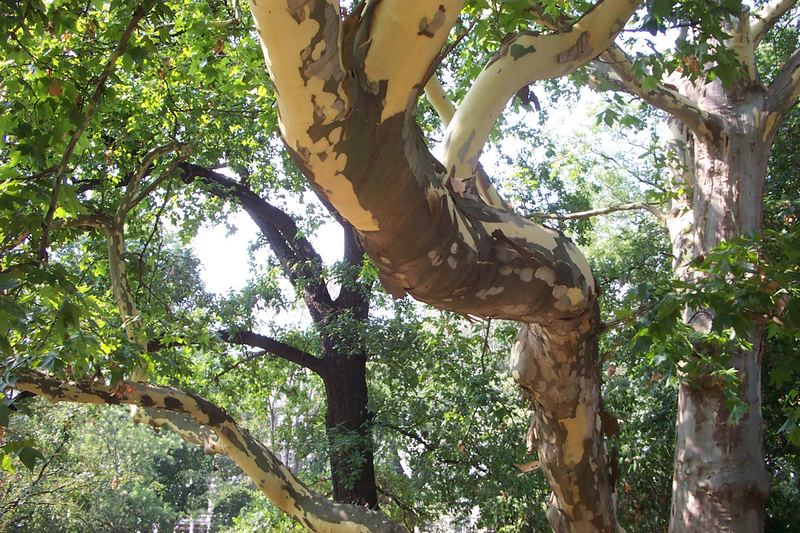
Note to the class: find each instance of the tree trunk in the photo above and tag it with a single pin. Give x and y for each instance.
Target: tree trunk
(557, 365)
(720, 481)
(348, 424)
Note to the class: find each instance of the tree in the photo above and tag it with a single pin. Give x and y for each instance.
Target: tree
(346, 85)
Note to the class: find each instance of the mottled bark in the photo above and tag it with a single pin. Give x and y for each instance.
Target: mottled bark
(720, 480)
(346, 96)
(557, 366)
(271, 476)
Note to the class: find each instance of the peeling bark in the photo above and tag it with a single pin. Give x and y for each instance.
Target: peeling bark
(557, 366)
(350, 127)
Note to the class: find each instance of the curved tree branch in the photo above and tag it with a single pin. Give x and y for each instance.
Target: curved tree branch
(401, 71)
(523, 59)
(275, 347)
(767, 17)
(623, 78)
(271, 476)
(299, 260)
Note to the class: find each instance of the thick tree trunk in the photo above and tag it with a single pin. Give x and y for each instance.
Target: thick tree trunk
(557, 365)
(720, 481)
(348, 424)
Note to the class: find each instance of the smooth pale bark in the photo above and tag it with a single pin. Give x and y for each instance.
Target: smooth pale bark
(271, 476)
(522, 60)
(718, 152)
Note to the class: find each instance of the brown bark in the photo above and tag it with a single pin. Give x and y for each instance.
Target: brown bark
(342, 365)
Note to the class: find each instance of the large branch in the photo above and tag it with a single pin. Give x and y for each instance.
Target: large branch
(444, 107)
(767, 17)
(522, 60)
(299, 260)
(664, 97)
(280, 349)
(402, 40)
(782, 93)
(271, 476)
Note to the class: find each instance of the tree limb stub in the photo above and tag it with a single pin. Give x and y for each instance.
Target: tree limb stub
(271, 476)
(522, 60)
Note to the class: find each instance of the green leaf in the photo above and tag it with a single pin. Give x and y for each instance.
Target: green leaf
(28, 456)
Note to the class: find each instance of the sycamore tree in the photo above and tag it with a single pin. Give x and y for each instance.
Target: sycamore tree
(346, 81)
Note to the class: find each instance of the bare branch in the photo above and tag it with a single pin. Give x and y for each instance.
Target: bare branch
(525, 58)
(299, 260)
(767, 17)
(271, 476)
(634, 206)
(275, 347)
(91, 106)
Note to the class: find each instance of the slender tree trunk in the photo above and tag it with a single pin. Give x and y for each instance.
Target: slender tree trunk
(720, 481)
(348, 424)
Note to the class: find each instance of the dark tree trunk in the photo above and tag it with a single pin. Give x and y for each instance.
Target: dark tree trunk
(348, 424)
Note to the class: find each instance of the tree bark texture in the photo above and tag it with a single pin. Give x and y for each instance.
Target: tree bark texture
(343, 372)
(720, 481)
(557, 367)
(346, 93)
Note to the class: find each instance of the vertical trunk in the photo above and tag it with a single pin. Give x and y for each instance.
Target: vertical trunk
(720, 481)
(557, 365)
(348, 425)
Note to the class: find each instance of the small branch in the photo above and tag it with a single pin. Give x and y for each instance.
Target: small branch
(650, 208)
(636, 313)
(277, 348)
(767, 17)
(132, 195)
(91, 106)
